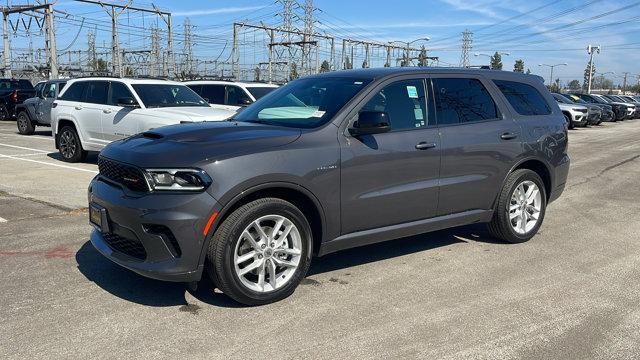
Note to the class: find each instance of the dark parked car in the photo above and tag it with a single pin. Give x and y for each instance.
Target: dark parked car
(631, 108)
(607, 111)
(619, 109)
(326, 163)
(12, 93)
(36, 111)
(593, 113)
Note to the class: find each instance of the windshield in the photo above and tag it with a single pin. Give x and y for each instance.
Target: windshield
(304, 103)
(576, 99)
(602, 100)
(259, 92)
(168, 95)
(15, 85)
(561, 99)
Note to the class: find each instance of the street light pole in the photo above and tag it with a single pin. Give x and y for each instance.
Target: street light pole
(407, 54)
(590, 50)
(552, 66)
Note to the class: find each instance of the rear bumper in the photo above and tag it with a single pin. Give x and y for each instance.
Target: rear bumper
(159, 236)
(561, 173)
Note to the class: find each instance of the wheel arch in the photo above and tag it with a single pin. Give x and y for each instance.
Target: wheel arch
(62, 123)
(540, 168)
(298, 195)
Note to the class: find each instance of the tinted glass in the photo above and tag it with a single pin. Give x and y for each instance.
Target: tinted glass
(38, 88)
(213, 93)
(96, 92)
(15, 85)
(118, 91)
(168, 95)
(74, 92)
(303, 103)
(236, 96)
(259, 92)
(525, 99)
(404, 102)
(49, 90)
(462, 101)
(61, 86)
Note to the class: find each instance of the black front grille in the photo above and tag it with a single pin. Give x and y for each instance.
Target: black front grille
(126, 246)
(123, 174)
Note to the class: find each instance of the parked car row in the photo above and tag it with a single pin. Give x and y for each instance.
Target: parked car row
(88, 113)
(592, 109)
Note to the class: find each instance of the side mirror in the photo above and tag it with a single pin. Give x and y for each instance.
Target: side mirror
(370, 122)
(127, 102)
(245, 102)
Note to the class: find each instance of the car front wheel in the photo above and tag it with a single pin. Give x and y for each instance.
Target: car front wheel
(25, 126)
(520, 208)
(70, 146)
(260, 252)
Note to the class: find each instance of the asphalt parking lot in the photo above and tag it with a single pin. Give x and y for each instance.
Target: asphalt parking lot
(571, 292)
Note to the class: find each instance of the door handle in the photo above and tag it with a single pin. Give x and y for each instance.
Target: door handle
(425, 145)
(106, 111)
(508, 136)
(78, 107)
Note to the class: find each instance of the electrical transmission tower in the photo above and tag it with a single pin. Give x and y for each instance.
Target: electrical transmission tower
(154, 69)
(91, 48)
(187, 49)
(309, 23)
(466, 48)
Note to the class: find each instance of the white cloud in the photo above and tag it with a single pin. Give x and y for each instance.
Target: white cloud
(213, 11)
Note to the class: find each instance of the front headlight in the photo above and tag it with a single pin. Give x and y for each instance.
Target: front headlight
(177, 179)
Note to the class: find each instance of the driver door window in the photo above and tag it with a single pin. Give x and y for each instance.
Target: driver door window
(405, 104)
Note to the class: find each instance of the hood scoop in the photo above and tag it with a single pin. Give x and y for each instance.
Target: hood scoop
(152, 135)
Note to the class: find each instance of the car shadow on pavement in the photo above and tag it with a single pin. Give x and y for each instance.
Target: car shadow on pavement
(130, 286)
(404, 246)
(92, 157)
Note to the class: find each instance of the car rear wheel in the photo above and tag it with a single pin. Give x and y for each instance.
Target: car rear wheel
(25, 126)
(70, 146)
(520, 208)
(261, 252)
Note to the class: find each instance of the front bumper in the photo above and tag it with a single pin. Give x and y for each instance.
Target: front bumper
(579, 118)
(157, 235)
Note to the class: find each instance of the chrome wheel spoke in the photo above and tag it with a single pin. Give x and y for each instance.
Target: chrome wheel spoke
(252, 242)
(254, 265)
(271, 269)
(284, 263)
(288, 251)
(263, 235)
(525, 207)
(245, 257)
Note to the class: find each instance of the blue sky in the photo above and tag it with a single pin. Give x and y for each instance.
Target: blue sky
(543, 36)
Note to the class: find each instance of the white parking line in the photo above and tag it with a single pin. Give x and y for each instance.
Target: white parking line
(25, 148)
(37, 137)
(3, 220)
(48, 163)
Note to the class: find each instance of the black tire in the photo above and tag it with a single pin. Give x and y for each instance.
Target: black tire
(70, 146)
(220, 265)
(500, 226)
(569, 122)
(25, 126)
(4, 114)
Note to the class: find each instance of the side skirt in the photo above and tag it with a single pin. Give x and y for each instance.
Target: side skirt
(391, 232)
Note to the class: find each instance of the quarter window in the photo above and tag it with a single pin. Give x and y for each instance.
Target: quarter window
(213, 93)
(460, 100)
(524, 99)
(236, 96)
(404, 102)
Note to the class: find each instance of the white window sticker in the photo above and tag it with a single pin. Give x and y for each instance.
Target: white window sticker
(412, 91)
(318, 114)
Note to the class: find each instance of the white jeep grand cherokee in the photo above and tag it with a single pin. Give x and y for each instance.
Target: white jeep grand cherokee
(92, 112)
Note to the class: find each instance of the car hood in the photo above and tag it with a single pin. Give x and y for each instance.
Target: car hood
(187, 145)
(564, 106)
(192, 113)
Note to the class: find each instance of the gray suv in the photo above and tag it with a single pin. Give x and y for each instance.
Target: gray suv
(326, 163)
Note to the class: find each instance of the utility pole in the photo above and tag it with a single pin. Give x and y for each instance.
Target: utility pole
(154, 70)
(50, 41)
(466, 48)
(91, 48)
(624, 82)
(590, 50)
(187, 66)
(7, 48)
(309, 23)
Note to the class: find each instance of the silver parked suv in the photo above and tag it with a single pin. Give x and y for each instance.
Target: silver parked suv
(326, 163)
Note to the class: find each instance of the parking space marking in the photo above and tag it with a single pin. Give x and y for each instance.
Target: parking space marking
(25, 148)
(47, 163)
(37, 137)
(3, 220)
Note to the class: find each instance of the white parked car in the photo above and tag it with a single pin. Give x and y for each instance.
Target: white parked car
(92, 112)
(231, 95)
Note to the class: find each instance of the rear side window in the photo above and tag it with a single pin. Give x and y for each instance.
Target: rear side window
(25, 85)
(460, 100)
(236, 96)
(119, 91)
(74, 92)
(525, 99)
(404, 102)
(96, 92)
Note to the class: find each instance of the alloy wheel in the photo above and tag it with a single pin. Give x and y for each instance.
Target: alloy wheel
(524, 207)
(268, 253)
(68, 145)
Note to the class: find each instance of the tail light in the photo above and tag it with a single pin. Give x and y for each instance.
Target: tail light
(14, 96)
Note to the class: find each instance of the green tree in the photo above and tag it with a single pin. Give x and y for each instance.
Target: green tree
(422, 57)
(555, 87)
(574, 85)
(365, 64)
(325, 67)
(496, 61)
(256, 71)
(518, 66)
(294, 72)
(528, 71)
(387, 64)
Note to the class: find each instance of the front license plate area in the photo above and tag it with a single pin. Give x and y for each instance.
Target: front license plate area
(98, 217)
